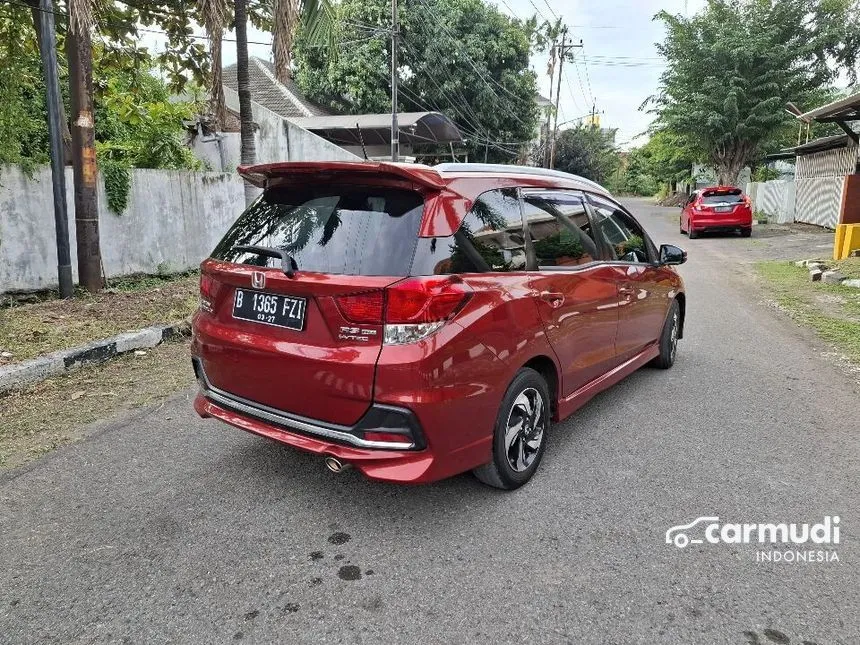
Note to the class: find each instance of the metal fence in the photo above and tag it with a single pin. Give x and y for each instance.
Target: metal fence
(774, 198)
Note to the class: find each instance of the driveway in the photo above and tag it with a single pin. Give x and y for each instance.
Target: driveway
(164, 528)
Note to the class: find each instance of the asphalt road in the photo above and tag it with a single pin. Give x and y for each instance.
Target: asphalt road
(165, 528)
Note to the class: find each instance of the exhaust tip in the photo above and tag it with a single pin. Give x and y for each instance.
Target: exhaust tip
(335, 465)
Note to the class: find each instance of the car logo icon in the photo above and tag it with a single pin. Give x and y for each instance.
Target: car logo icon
(677, 535)
(258, 279)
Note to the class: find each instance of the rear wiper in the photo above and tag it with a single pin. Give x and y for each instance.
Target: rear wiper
(288, 263)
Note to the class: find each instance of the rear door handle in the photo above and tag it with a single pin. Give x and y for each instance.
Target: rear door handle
(554, 298)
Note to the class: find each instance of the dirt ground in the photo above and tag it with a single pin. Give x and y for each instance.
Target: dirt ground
(36, 328)
(80, 399)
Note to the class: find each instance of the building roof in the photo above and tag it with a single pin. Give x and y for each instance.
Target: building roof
(375, 129)
(816, 145)
(847, 109)
(284, 99)
(542, 101)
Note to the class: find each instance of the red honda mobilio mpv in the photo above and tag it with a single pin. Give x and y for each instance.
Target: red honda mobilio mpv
(417, 322)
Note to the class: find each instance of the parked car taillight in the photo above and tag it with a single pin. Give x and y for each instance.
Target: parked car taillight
(411, 309)
(417, 307)
(208, 288)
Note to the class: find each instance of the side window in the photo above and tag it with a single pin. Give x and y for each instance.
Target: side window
(489, 239)
(621, 232)
(559, 228)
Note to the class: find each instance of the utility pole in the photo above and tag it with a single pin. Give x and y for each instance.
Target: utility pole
(548, 131)
(395, 129)
(48, 52)
(79, 50)
(562, 53)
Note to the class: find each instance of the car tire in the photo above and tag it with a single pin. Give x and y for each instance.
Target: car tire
(691, 233)
(669, 338)
(681, 228)
(517, 454)
(746, 232)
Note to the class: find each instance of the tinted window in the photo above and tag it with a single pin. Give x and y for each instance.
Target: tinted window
(722, 197)
(330, 229)
(559, 227)
(489, 239)
(626, 239)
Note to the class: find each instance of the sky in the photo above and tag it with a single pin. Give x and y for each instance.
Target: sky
(616, 70)
(618, 66)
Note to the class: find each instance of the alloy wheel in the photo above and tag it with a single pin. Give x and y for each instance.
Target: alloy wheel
(525, 428)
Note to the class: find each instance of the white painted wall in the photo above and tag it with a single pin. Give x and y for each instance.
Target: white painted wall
(276, 139)
(173, 221)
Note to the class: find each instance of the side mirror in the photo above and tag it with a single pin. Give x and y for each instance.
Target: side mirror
(671, 254)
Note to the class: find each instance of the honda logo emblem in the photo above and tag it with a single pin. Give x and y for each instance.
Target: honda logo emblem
(258, 279)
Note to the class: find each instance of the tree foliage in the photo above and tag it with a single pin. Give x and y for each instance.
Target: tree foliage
(461, 57)
(587, 151)
(733, 66)
(665, 160)
(23, 125)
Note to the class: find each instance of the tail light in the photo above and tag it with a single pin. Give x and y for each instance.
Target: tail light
(362, 307)
(425, 300)
(208, 287)
(417, 307)
(411, 309)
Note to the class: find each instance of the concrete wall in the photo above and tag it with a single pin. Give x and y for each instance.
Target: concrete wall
(776, 198)
(173, 221)
(276, 139)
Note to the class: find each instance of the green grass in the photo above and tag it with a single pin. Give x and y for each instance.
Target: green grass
(30, 330)
(833, 311)
(143, 282)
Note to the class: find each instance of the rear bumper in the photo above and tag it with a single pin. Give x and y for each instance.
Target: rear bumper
(714, 224)
(401, 466)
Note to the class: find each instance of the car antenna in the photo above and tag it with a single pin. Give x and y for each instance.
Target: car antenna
(361, 138)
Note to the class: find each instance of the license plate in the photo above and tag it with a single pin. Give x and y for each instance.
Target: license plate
(723, 209)
(270, 309)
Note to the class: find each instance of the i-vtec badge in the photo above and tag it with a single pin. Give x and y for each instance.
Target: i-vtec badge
(356, 333)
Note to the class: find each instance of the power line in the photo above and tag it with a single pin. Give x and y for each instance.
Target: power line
(552, 11)
(484, 77)
(474, 127)
(472, 132)
(509, 8)
(540, 13)
(588, 77)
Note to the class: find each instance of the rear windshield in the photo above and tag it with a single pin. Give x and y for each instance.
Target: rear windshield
(348, 230)
(723, 197)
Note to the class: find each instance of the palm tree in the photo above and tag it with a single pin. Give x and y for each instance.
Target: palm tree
(214, 14)
(248, 153)
(316, 17)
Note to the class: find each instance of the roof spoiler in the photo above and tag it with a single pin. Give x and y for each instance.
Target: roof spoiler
(425, 176)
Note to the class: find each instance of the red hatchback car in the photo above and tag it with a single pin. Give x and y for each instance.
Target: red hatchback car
(717, 209)
(418, 322)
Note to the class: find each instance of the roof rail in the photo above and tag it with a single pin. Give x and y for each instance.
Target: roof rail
(513, 170)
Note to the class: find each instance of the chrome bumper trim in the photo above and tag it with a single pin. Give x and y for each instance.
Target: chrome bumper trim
(279, 417)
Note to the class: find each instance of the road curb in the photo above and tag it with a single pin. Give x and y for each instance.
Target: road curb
(38, 369)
